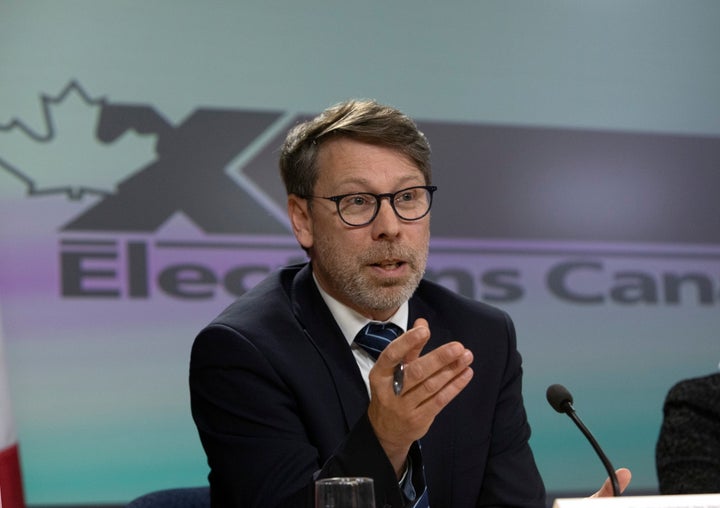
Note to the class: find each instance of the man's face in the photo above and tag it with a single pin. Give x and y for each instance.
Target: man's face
(373, 268)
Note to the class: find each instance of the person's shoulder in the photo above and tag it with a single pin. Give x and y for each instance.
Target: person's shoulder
(704, 390)
(270, 296)
(256, 321)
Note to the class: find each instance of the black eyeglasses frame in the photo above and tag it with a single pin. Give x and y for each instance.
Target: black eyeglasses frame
(378, 201)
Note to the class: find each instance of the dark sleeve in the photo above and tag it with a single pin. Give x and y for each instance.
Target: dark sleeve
(259, 441)
(511, 475)
(360, 456)
(688, 448)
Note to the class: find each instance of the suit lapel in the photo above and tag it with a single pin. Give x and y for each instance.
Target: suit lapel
(323, 332)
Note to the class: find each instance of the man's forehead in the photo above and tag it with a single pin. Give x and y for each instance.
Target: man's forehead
(351, 155)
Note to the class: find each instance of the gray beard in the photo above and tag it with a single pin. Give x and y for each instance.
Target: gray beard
(361, 291)
(386, 297)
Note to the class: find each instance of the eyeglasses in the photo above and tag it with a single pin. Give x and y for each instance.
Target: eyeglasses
(361, 208)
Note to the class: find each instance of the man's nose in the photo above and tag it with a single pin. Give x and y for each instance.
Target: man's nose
(386, 223)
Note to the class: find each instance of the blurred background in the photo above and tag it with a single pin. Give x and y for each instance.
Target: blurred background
(576, 147)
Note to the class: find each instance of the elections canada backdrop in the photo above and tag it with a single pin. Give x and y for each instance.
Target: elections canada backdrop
(139, 194)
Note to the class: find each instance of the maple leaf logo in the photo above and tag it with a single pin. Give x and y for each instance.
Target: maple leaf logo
(69, 158)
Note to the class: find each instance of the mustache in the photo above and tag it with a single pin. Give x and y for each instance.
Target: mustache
(388, 251)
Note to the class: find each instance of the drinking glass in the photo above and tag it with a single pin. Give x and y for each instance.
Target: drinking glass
(344, 493)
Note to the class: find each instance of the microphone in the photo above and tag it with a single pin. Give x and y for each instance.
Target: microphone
(560, 399)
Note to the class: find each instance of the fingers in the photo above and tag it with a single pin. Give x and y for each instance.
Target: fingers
(430, 381)
(405, 348)
(441, 372)
(623, 476)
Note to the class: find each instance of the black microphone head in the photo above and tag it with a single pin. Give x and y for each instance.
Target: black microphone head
(559, 398)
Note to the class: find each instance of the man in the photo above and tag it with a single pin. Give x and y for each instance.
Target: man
(283, 395)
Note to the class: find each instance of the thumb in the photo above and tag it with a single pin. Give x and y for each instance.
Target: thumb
(623, 475)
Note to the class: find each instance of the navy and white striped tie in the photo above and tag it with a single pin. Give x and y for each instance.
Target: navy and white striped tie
(374, 337)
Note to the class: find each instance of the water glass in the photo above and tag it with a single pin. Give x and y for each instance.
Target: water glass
(344, 493)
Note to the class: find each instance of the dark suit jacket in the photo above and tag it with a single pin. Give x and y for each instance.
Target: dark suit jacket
(279, 401)
(687, 453)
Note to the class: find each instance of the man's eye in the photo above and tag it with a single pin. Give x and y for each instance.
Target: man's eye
(358, 200)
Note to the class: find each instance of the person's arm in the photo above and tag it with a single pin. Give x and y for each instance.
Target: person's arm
(255, 435)
(359, 456)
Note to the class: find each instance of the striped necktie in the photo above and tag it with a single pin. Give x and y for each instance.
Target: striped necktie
(374, 337)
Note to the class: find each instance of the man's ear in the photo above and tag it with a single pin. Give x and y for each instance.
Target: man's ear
(300, 220)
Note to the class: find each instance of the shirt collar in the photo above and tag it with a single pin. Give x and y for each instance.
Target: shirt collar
(351, 322)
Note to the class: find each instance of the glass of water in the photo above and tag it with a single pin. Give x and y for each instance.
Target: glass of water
(344, 493)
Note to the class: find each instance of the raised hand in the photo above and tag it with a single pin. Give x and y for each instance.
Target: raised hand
(430, 382)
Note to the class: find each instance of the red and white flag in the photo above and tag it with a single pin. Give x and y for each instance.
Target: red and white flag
(11, 490)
